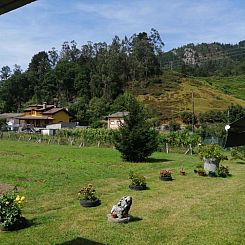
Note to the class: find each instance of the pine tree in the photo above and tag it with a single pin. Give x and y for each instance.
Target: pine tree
(136, 140)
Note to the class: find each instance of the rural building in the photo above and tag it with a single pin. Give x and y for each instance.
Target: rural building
(41, 115)
(10, 119)
(116, 119)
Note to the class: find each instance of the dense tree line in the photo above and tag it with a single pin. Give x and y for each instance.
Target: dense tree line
(86, 80)
(233, 113)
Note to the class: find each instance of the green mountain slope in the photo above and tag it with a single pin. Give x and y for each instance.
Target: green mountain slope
(207, 59)
(234, 86)
(171, 94)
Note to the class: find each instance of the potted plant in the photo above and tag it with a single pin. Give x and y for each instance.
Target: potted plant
(166, 175)
(223, 171)
(200, 171)
(10, 211)
(87, 196)
(138, 181)
(182, 172)
(212, 155)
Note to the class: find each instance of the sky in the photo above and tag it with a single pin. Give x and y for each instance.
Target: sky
(45, 24)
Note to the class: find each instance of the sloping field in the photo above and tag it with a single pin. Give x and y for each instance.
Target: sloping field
(172, 95)
(234, 86)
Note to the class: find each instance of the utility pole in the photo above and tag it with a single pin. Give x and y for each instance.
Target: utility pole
(171, 65)
(193, 112)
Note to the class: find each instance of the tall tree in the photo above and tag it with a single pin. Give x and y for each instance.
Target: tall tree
(40, 64)
(136, 140)
(5, 73)
(53, 57)
(70, 52)
(143, 59)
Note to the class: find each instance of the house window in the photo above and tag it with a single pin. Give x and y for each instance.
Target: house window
(112, 122)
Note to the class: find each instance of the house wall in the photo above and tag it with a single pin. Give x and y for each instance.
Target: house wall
(60, 116)
(114, 122)
(33, 113)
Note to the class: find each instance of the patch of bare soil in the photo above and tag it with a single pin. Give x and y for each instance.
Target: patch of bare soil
(5, 187)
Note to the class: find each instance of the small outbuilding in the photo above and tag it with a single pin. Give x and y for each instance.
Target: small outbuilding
(116, 119)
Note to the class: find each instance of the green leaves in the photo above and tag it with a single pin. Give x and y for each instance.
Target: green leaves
(136, 140)
(212, 152)
(10, 209)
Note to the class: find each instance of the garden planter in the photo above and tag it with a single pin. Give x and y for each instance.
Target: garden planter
(137, 187)
(182, 173)
(212, 174)
(211, 165)
(90, 203)
(166, 178)
(201, 173)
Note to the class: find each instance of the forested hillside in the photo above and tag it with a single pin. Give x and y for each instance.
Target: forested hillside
(91, 80)
(86, 79)
(207, 59)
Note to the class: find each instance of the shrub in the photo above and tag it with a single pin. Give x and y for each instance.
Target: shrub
(238, 153)
(223, 171)
(10, 209)
(135, 139)
(137, 179)
(87, 193)
(212, 152)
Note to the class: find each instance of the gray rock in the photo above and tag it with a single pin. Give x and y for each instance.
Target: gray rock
(121, 209)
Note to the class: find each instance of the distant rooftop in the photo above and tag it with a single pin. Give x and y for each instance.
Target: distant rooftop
(119, 114)
(10, 115)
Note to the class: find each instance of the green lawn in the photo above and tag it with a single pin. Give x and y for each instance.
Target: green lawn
(188, 210)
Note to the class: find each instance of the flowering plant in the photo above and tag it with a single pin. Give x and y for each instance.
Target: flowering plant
(165, 173)
(87, 193)
(10, 209)
(137, 179)
(212, 151)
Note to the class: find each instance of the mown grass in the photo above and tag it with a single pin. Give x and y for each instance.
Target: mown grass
(188, 210)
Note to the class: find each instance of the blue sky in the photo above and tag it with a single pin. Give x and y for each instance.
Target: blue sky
(48, 23)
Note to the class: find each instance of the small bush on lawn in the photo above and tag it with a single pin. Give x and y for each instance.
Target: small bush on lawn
(10, 209)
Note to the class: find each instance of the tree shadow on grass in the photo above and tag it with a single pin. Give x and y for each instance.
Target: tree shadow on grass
(241, 162)
(135, 219)
(157, 160)
(80, 241)
(32, 222)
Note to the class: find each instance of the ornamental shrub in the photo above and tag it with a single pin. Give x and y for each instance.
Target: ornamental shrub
(10, 209)
(135, 139)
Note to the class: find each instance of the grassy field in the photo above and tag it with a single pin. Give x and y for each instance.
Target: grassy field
(188, 210)
(230, 85)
